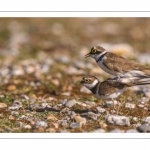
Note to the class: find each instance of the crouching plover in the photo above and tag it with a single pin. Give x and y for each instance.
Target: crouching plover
(109, 89)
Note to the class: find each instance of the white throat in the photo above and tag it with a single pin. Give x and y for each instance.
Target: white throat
(90, 86)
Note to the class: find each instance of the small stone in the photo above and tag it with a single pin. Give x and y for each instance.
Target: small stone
(25, 96)
(27, 127)
(80, 64)
(41, 129)
(64, 59)
(103, 125)
(66, 93)
(91, 115)
(52, 117)
(33, 96)
(98, 131)
(64, 131)
(12, 118)
(13, 107)
(63, 102)
(132, 131)
(14, 113)
(143, 100)
(116, 131)
(117, 120)
(41, 124)
(56, 125)
(64, 123)
(100, 109)
(85, 90)
(74, 125)
(146, 120)
(145, 128)
(70, 103)
(80, 120)
(147, 94)
(11, 88)
(135, 119)
(3, 106)
(110, 103)
(1, 116)
(51, 130)
(141, 106)
(129, 105)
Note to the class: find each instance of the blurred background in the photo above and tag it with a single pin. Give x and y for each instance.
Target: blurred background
(51, 49)
(42, 60)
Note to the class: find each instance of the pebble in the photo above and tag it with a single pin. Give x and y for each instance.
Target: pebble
(41, 124)
(63, 102)
(24, 96)
(1, 116)
(100, 109)
(13, 107)
(64, 123)
(91, 115)
(145, 128)
(143, 100)
(11, 88)
(110, 103)
(141, 106)
(52, 117)
(134, 119)
(74, 71)
(64, 131)
(74, 125)
(147, 94)
(131, 131)
(66, 94)
(14, 113)
(64, 59)
(27, 126)
(51, 130)
(129, 105)
(80, 64)
(70, 103)
(80, 120)
(146, 120)
(90, 103)
(85, 90)
(98, 131)
(3, 106)
(117, 120)
(116, 131)
(103, 125)
(11, 118)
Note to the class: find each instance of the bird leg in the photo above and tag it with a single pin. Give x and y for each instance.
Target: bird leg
(113, 106)
(119, 104)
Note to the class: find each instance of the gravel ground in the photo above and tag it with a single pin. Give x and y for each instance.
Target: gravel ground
(42, 60)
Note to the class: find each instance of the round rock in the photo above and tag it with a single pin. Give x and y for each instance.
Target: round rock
(145, 128)
(117, 120)
(3, 106)
(70, 103)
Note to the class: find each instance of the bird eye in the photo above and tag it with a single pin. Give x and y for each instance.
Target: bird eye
(86, 80)
(93, 50)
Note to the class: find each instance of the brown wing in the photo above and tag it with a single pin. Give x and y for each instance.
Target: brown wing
(119, 64)
(110, 87)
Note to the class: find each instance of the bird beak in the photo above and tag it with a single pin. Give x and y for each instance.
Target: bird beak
(80, 82)
(87, 55)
